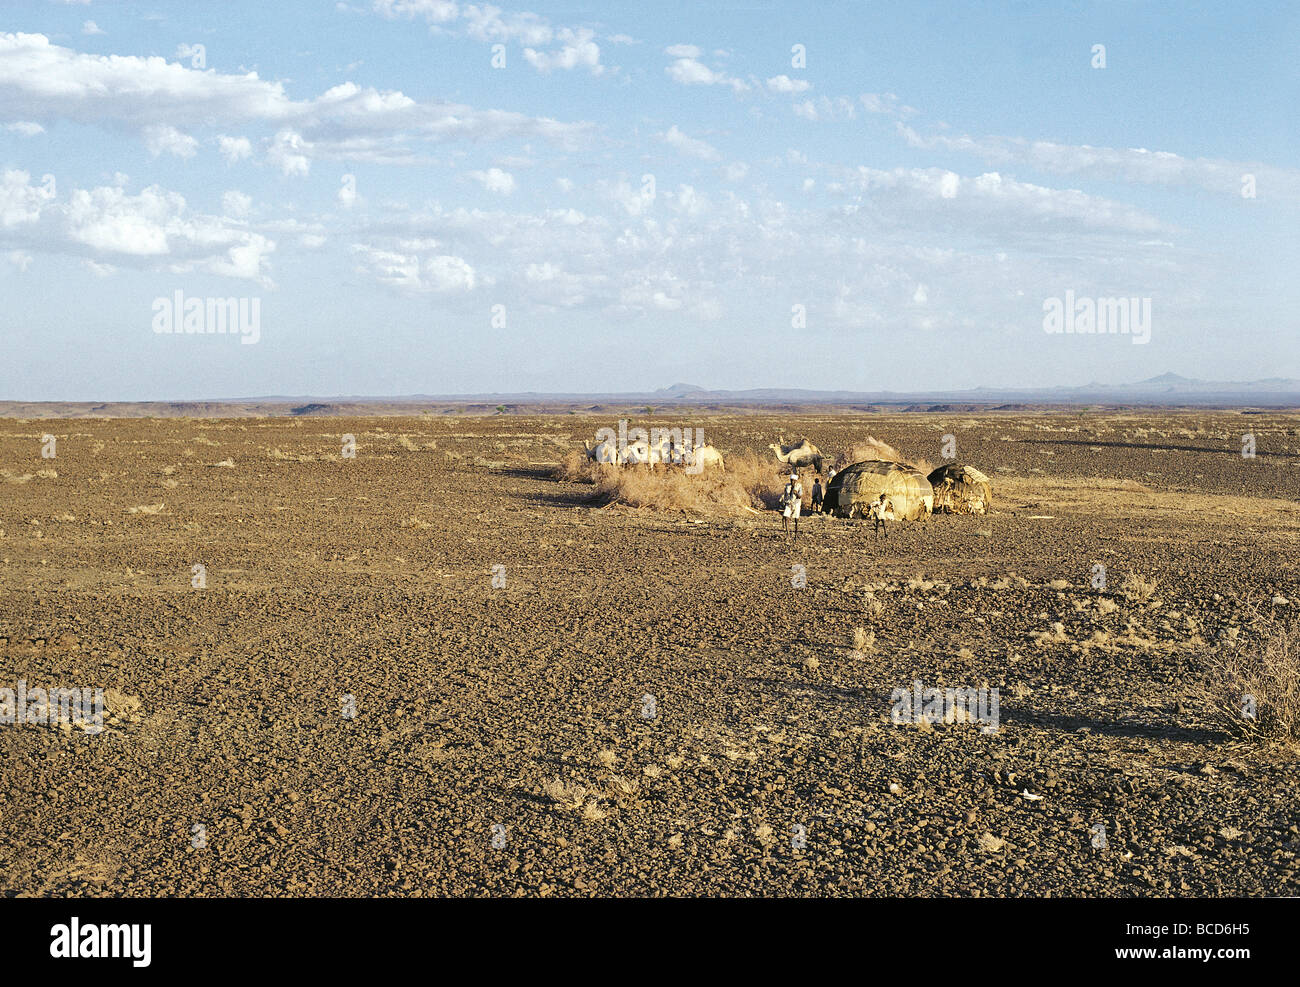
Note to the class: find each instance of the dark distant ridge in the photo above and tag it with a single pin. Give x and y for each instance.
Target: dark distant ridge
(1168, 390)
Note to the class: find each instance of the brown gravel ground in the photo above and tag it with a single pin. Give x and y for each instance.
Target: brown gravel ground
(648, 706)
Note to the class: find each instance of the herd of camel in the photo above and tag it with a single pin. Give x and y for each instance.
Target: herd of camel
(662, 448)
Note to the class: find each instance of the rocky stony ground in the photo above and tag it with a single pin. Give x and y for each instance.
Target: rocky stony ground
(435, 669)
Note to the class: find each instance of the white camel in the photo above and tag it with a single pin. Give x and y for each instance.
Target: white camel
(704, 457)
(636, 453)
(663, 451)
(606, 452)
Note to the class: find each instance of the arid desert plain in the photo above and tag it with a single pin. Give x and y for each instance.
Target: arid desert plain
(441, 667)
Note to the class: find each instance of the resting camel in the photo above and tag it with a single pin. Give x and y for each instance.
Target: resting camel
(804, 454)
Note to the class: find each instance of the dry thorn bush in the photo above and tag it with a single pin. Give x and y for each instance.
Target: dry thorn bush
(863, 641)
(874, 448)
(566, 796)
(1137, 588)
(623, 789)
(1266, 666)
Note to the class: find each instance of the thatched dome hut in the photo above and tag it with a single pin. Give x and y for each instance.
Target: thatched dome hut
(961, 489)
(856, 486)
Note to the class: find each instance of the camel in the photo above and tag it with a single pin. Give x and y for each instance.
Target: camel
(704, 457)
(662, 451)
(804, 454)
(636, 453)
(606, 452)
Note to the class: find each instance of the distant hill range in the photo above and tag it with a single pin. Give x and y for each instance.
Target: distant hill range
(1164, 391)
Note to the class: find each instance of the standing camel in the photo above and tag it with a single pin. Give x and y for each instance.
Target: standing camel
(800, 456)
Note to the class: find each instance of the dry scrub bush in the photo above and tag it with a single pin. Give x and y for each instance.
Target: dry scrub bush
(863, 640)
(565, 796)
(1266, 667)
(1137, 588)
(874, 448)
(623, 789)
(745, 482)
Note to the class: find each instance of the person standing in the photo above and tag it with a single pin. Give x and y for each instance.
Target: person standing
(817, 495)
(878, 510)
(792, 505)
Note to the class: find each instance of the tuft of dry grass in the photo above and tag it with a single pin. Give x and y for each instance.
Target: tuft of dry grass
(988, 843)
(863, 640)
(1056, 635)
(1254, 681)
(623, 789)
(577, 468)
(566, 796)
(1137, 588)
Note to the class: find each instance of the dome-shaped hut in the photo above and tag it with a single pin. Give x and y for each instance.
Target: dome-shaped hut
(961, 489)
(856, 487)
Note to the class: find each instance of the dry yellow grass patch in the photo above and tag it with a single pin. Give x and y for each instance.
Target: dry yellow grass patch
(1254, 683)
(566, 796)
(1056, 635)
(623, 789)
(988, 843)
(1112, 499)
(1137, 588)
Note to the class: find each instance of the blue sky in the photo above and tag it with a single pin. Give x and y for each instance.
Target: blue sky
(642, 193)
